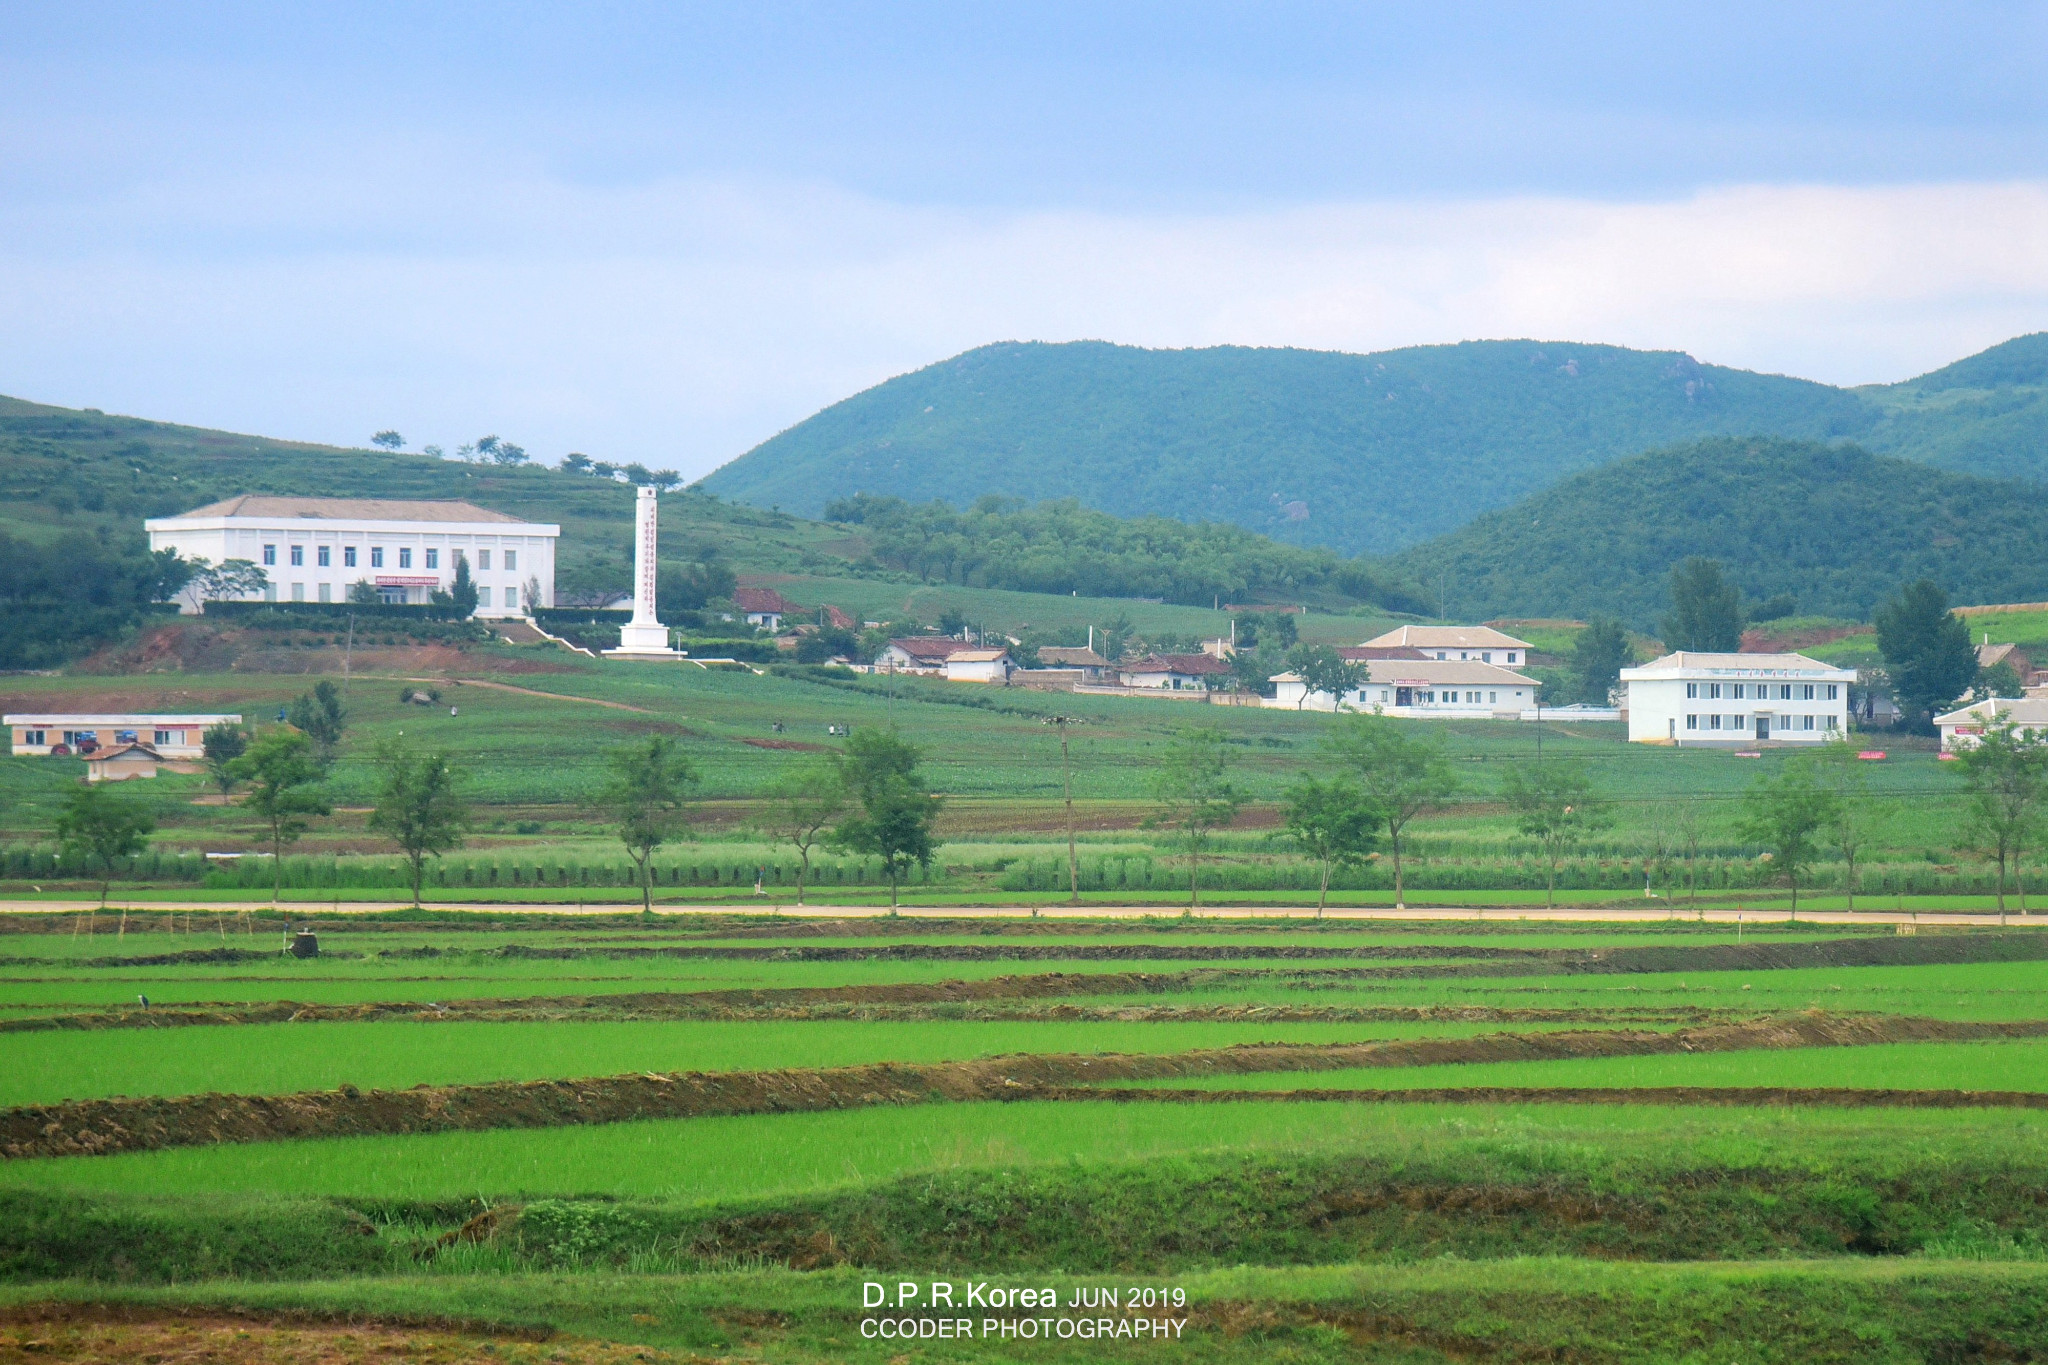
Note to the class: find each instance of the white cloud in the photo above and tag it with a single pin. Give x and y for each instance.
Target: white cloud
(679, 323)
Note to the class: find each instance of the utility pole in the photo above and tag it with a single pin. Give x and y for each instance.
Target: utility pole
(1067, 790)
(348, 652)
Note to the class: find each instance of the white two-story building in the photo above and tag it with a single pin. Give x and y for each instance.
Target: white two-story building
(317, 549)
(1736, 700)
(1448, 689)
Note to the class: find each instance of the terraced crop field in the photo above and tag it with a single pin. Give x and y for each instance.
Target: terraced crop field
(692, 1136)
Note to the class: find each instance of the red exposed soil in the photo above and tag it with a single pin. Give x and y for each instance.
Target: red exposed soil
(795, 744)
(95, 1127)
(154, 1336)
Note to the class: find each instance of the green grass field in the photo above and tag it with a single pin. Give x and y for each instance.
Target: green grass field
(1294, 1230)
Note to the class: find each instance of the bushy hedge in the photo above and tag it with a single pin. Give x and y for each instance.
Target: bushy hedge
(327, 612)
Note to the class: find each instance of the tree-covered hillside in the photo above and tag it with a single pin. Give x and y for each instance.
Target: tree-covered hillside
(1354, 452)
(1835, 527)
(1062, 547)
(66, 471)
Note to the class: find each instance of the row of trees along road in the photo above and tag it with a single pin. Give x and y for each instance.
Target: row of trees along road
(1385, 778)
(870, 799)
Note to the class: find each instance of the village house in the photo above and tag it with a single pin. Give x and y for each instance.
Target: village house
(1735, 700)
(1091, 666)
(1174, 672)
(1963, 728)
(172, 737)
(318, 549)
(127, 761)
(1436, 689)
(1483, 643)
(763, 607)
(918, 654)
(979, 665)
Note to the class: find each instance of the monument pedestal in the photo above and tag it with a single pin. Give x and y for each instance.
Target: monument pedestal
(641, 641)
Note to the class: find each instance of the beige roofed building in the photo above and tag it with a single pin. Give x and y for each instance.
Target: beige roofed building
(317, 549)
(1484, 643)
(978, 665)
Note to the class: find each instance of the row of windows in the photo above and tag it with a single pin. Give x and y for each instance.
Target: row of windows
(1762, 691)
(73, 737)
(1485, 655)
(323, 557)
(324, 592)
(1742, 723)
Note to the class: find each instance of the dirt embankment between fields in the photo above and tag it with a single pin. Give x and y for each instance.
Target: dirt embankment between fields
(949, 998)
(1733, 1095)
(95, 1127)
(969, 1003)
(1461, 959)
(1408, 960)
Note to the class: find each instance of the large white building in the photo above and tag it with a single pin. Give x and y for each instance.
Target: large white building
(316, 549)
(1736, 699)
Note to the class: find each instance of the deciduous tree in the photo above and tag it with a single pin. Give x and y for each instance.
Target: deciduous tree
(1790, 813)
(1194, 794)
(894, 815)
(801, 804)
(1334, 823)
(97, 826)
(418, 806)
(320, 717)
(280, 768)
(2005, 781)
(224, 742)
(1554, 803)
(1323, 669)
(643, 799)
(1402, 775)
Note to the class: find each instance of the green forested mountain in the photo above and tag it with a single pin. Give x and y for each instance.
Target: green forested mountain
(1835, 527)
(1354, 452)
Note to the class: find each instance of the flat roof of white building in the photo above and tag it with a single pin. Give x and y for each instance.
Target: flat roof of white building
(60, 719)
(1448, 637)
(1697, 663)
(266, 507)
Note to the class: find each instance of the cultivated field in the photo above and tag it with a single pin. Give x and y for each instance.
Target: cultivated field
(700, 1136)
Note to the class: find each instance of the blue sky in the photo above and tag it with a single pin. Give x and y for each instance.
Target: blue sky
(664, 233)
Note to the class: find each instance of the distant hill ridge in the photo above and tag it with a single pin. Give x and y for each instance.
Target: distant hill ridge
(1836, 527)
(1359, 453)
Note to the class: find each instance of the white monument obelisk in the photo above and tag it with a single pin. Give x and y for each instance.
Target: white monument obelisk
(644, 637)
